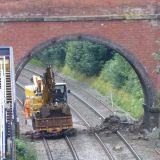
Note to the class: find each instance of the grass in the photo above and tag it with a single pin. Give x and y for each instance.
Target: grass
(36, 62)
(24, 150)
(127, 102)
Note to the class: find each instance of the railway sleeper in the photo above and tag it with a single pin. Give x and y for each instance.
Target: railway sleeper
(44, 134)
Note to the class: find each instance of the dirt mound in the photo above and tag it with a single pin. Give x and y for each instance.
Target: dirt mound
(110, 125)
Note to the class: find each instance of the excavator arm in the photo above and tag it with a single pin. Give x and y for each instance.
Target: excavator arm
(48, 86)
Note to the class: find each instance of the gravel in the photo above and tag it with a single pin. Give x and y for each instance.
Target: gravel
(146, 149)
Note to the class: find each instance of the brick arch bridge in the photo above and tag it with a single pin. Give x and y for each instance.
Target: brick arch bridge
(131, 27)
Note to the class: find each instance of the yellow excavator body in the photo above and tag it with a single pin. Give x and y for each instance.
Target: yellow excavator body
(47, 105)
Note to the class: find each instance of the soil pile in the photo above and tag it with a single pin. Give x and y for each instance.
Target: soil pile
(110, 125)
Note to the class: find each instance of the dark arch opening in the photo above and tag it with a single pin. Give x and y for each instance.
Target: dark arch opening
(147, 86)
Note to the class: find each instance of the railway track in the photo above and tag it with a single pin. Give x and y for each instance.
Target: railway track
(103, 107)
(110, 156)
(48, 150)
(68, 141)
(44, 142)
(135, 155)
(46, 145)
(70, 145)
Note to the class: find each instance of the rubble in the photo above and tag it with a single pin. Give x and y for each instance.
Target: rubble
(110, 125)
(114, 123)
(143, 134)
(137, 127)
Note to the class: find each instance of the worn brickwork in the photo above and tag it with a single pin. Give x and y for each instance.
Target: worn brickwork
(132, 24)
(20, 8)
(139, 37)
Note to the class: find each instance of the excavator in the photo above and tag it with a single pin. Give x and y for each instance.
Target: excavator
(46, 105)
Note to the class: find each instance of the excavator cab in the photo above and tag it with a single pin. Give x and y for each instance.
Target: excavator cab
(60, 93)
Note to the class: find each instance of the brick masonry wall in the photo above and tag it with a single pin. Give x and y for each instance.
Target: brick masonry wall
(21, 8)
(139, 37)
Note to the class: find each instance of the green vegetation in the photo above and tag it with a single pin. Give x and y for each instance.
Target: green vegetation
(47, 57)
(121, 75)
(101, 68)
(126, 101)
(24, 150)
(37, 62)
(157, 57)
(87, 58)
(131, 103)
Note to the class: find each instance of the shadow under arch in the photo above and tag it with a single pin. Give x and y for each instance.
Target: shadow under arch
(146, 83)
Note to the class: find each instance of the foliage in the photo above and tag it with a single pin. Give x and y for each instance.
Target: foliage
(76, 75)
(116, 71)
(24, 150)
(117, 77)
(36, 61)
(87, 58)
(120, 74)
(101, 68)
(132, 86)
(126, 101)
(52, 55)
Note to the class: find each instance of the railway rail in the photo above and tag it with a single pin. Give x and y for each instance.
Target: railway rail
(118, 132)
(108, 153)
(70, 145)
(45, 143)
(67, 139)
(137, 157)
(48, 150)
(87, 95)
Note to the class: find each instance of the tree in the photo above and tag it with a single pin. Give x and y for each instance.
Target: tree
(121, 75)
(86, 57)
(54, 55)
(116, 71)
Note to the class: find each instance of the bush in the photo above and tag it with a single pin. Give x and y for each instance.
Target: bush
(124, 100)
(54, 56)
(121, 75)
(87, 58)
(24, 150)
(102, 68)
